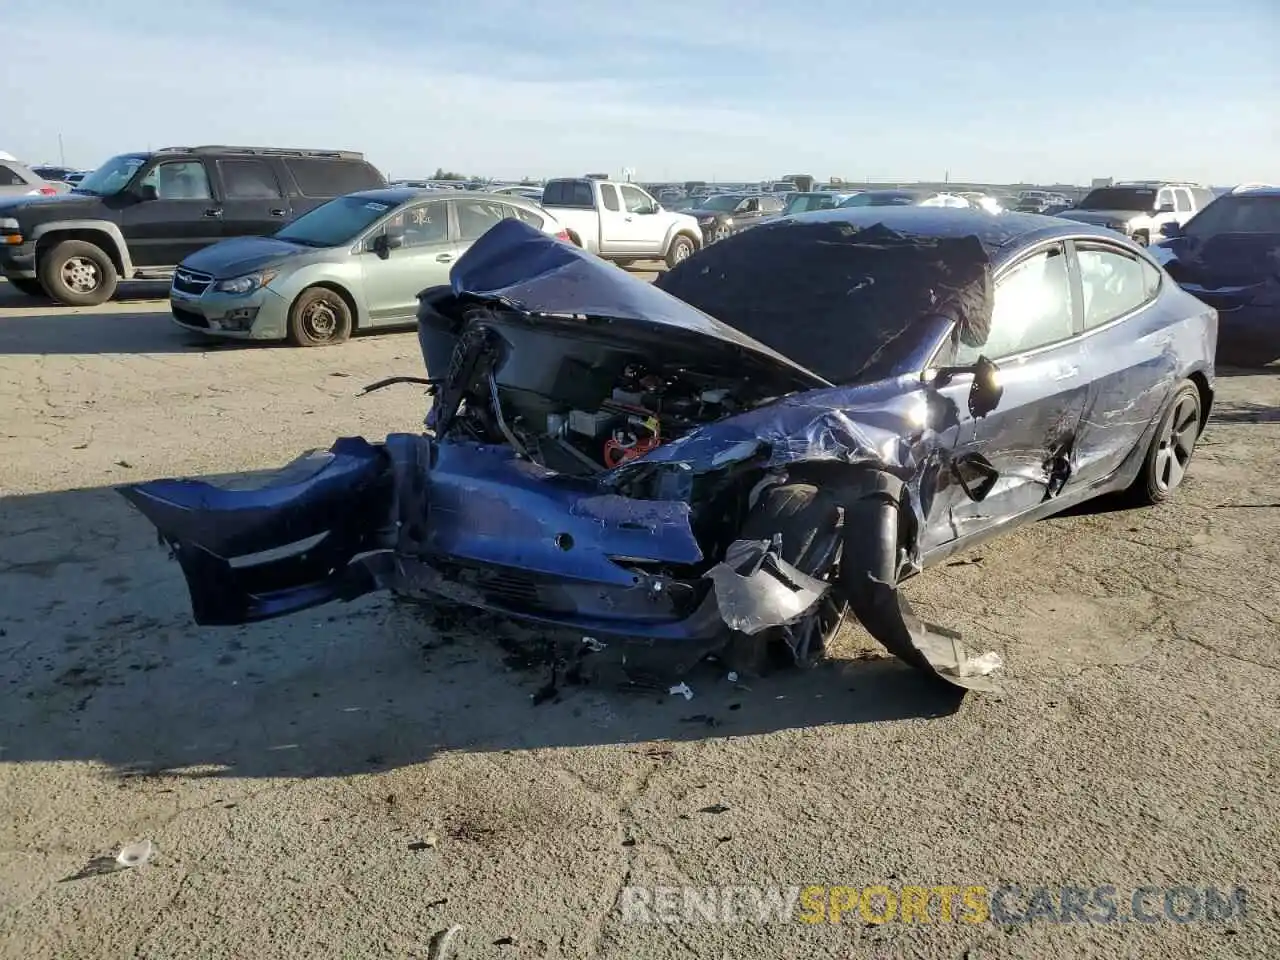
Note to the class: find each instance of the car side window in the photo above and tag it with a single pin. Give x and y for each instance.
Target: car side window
(10, 178)
(634, 200)
(248, 180)
(609, 197)
(475, 217)
(1114, 283)
(1181, 200)
(1032, 308)
(179, 180)
(529, 217)
(1164, 198)
(422, 225)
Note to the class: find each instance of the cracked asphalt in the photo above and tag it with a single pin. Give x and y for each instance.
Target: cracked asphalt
(355, 780)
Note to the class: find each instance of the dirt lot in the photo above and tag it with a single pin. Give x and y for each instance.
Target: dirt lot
(352, 781)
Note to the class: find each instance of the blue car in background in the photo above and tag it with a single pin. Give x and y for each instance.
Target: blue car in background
(775, 435)
(1228, 255)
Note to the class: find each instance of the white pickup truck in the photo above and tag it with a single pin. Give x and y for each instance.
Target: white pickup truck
(620, 222)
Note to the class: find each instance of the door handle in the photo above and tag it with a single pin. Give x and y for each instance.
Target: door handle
(213, 212)
(277, 212)
(444, 257)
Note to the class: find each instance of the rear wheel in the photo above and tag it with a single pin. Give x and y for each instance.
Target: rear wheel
(320, 317)
(78, 274)
(28, 286)
(1171, 448)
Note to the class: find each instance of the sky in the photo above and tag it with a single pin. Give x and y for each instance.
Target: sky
(1001, 91)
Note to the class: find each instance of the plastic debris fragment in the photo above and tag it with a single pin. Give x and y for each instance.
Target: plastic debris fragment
(135, 854)
(681, 689)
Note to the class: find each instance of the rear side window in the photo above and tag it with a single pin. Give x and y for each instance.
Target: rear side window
(1114, 283)
(248, 180)
(1181, 200)
(609, 197)
(317, 177)
(568, 193)
(10, 177)
(528, 216)
(475, 217)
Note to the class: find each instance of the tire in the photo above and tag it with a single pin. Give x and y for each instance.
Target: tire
(720, 233)
(1167, 459)
(808, 521)
(78, 274)
(681, 249)
(624, 264)
(28, 286)
(319, 317)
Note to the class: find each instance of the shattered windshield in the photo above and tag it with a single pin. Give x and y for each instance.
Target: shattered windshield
(1120, 198)
(112, 177)
(841, 301)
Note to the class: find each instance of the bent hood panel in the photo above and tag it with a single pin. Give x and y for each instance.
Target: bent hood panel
(525, 269)
(241, 255)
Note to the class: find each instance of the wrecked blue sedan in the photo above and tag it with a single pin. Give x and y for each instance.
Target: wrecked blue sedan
(738, 458)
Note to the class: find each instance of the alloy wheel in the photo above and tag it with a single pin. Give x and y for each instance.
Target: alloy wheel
(81, 275)
(1177, 443)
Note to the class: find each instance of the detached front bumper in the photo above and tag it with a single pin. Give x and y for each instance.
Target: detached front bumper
(261, 315)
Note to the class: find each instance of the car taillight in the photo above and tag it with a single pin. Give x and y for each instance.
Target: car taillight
(564, 235)
(48, 191)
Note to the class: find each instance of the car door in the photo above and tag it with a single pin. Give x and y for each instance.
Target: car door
(171, 213)
(253, 202)
(616, 232)
(646, 232)
(1028, 439)
(425, 254)
(1125, 339)
(1183, 206)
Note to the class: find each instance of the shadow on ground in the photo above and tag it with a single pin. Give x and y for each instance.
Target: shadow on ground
(101, 662)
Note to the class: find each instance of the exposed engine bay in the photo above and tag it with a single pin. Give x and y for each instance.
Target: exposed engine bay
(578, 406)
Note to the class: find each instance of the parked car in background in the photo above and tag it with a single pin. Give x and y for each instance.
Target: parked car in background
(354, 263)
(904, 198)
(1228, 255)
(49, 172)
(814, 200)
(722, 215)
(983, 201)
(17, 180)
(620, 222)
(529, 193)
(732, 460)
(140, 214)
(1139, 209)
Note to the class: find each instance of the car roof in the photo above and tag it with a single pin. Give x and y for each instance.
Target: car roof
(1253, 192)
(1001, 234)
(398, 195)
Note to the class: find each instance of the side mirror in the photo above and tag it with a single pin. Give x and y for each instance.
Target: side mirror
(1171, 230)
(384, 243)
(986, 391)
(148, 191)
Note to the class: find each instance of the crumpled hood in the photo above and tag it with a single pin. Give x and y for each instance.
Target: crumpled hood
(1100, 217)
(241, 255)
(526, 269)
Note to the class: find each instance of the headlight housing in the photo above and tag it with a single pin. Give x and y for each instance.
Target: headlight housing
(246, 284)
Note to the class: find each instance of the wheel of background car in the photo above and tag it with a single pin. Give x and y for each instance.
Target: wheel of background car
(320, 317)
(681, 249)
(1166, 462)
(720, 233)
(28, 286)
(808, 521)
(78, 274)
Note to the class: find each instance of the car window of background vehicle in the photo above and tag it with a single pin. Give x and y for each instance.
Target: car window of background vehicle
(477, 216)
(10, 178)
(112, 177)
(1114, 283)
(424, 225)
(1032, 308)
(609, 197)
(1236, 215)
(248, 180)
(179, 180)
(331, 178)
(634, 200)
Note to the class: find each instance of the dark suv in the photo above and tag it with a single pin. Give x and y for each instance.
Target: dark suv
(140, 214)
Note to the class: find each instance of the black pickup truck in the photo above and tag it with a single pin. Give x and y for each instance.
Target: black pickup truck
(140, 214)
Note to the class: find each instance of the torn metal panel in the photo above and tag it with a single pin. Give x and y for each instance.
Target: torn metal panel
(756, 589)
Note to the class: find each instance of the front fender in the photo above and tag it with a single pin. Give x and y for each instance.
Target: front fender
(350, 282)
(113, 241)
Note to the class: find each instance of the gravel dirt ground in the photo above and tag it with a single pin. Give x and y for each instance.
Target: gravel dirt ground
(352, 781)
